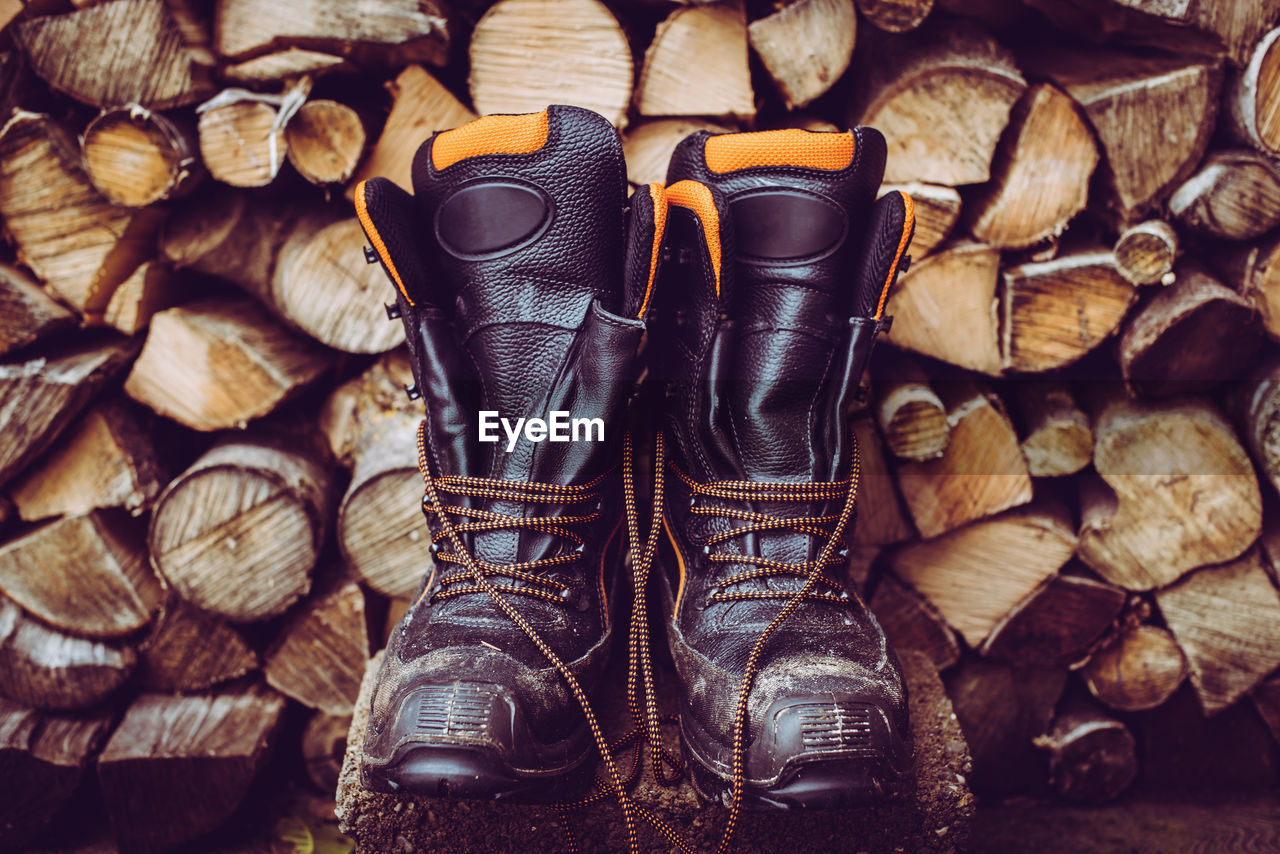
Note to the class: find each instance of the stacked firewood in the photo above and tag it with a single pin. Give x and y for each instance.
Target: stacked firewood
(210, 508)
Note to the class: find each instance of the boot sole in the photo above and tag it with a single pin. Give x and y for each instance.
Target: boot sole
(830, 754)
(470, 741)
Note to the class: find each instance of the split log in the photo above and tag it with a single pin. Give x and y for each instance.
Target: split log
(389, 33)
(806, 46)
(976, 575)
(712, 39)
(372, 429)
(936, 207)
(912, 418)
(126, 52)
(958, 280)
(881, 519)
(1140, 670)
(1258, 412)
(1227, 621)
(324, 743)
(284, 65)
(981, 473)
(42, 760)
(239, 532)
(910, 622)
(1092, 756)
(1266, 699)
(320, 656)
(1040, 175)
(324, 140)
(1056, 311)
(75, 241)
(1002, 710)
(136, 157)
(1254, 98)
(895, 16)
(1175, 344)
(1235, 195)
(242, 140)
(1182, 493)
(305, 264)
(87, 575)
(1145, 252)
(1153, 115)
(1236, 24)
(1057, 438)
(151, 288)
(528, 53)
(46, 669)
(40, 397)
(957, 76)
(220, 363)
(177, 767)
(1254, 271)
(1056, 623)
(27, 313)
(420, 106)
(106, 460)
(647, 147)
(190, 650)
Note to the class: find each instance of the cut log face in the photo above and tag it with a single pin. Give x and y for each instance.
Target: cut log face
(1227, 621)
(238, 533)
(1145, 252)
(1185, 494)
(912, 418)
(190, 650)
(937, 208)
(1140, 670)
(46, 669)
(895, 16)
(320, 657)
(981, 473)
(390, 32)
(1056, 623)
(288, 64)
(43, 757)
(881, 519)
(941, 98)
(420, 107)
(1057, 438)
(958, 281)
(1254, 100)
(1153, 115)
(27, 313)
(648, 147)
(178, 767)
(82, 574)
(73, 239)
(218, 364)
(40, 397)
(711, 39)
(1177, 338)
(325, 140)
(106, 460)
(242, 142)
(806, 46)
(910, 622)
(1235, 195)
(126, 52)
(1040, 175)
(1056, 311)
(136, 157)
(152, 287)
(976, 575)
(526, 54)
(1092, 756)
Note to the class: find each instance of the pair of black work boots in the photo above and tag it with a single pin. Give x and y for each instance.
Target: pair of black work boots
(527, 283)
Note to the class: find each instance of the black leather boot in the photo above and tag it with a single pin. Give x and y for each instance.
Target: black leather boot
(522, 295)
(791, 697)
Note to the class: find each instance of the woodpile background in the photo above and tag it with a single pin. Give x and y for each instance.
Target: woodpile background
(210, 511)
